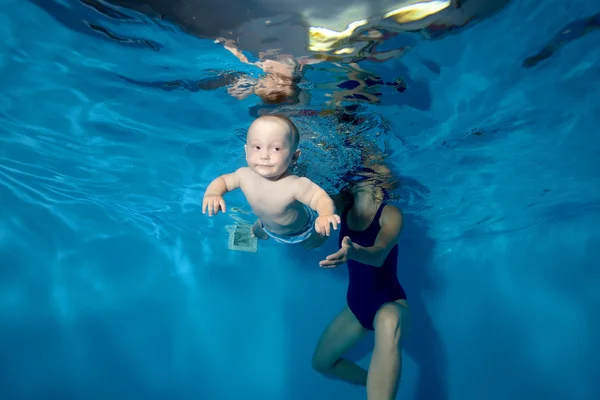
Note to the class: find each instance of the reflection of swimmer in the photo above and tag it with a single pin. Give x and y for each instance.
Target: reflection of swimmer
(290, 209)
(279, 85)
(376, 301)
(283, 73)
(572, 31)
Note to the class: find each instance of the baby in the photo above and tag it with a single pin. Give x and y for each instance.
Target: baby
(290, 209)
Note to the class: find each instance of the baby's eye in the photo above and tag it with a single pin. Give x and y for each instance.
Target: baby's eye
(276, 148)
(256, 147)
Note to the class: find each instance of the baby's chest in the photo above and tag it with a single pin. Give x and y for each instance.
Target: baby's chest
(269, 197)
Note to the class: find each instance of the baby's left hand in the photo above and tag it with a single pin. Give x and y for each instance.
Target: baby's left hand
(323, 221)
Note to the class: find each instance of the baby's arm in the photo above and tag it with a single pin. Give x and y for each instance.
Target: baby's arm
(316, 198)
(213, 197)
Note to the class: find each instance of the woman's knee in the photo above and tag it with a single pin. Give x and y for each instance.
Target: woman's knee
(322, 363)
(388, 321)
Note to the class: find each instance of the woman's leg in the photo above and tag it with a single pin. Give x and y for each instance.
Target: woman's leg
(386, 363)
(340, 336)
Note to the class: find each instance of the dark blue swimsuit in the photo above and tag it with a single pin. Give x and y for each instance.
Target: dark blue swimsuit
(370, 287)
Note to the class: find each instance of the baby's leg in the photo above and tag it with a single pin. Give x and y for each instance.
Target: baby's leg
(258, 231)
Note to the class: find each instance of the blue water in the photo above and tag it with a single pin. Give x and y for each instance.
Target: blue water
(113, 283)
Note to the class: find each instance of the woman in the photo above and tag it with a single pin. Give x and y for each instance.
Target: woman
(376, 301)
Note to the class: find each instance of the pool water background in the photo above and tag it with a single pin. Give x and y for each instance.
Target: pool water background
(114, 283)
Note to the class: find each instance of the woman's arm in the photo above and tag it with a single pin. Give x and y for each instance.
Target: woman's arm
(391, 223)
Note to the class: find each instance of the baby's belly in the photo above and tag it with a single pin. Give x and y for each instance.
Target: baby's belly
(282, 223)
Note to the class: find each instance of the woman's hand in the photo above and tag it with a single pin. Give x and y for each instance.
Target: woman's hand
(341, 256)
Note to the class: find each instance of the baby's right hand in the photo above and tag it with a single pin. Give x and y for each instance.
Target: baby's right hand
(213, 203)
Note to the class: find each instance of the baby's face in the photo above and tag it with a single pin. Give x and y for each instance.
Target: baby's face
(269, 147)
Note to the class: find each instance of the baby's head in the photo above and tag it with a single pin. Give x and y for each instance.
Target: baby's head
(272, 145)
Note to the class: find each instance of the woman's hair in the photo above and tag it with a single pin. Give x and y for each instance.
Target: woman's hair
(378, 180)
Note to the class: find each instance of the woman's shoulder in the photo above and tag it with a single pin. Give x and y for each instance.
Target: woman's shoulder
(390, 214)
